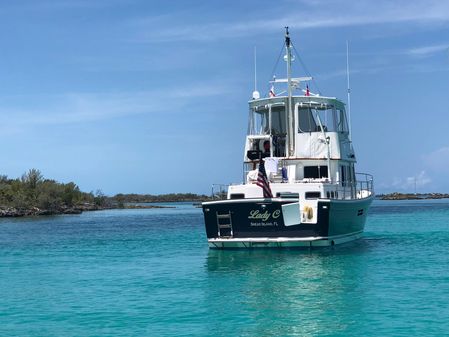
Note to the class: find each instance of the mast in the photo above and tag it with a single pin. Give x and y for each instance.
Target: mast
(290, 135)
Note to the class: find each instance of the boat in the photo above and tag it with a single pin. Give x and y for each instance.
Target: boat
(299, 184)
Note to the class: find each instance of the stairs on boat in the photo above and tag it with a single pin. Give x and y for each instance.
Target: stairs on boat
(224, 224)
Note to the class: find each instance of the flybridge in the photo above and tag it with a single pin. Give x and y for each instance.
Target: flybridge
(319, 129)
(277, 121)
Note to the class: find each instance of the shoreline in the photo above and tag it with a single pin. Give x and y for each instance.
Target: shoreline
(33, 195)
(412, 196)
(13, 212)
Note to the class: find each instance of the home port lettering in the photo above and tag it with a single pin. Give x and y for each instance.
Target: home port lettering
(264, 218)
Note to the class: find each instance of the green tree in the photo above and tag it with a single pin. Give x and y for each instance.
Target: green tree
(50, 196)
(71, 194)
(32, 178)
(120, 198)
(100, 198)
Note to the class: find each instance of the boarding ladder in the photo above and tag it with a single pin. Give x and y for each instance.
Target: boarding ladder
(224, 224)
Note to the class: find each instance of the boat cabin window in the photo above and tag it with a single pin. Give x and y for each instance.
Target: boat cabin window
(347, 175)
(332, 194)
(268, 121)
(315, 172)
(331, 119)
(313, 195)
(260, 123)
(306, 120)
(278, 121)
(342, 124)
(287, 195)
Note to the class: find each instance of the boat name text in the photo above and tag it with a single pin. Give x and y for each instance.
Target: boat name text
(265, 216)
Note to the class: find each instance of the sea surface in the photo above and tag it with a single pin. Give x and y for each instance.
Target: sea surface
(149, 272)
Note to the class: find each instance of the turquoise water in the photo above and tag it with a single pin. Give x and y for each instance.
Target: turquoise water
(149, 273)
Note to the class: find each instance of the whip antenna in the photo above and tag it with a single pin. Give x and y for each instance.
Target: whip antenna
(349, 89)
(256, 94)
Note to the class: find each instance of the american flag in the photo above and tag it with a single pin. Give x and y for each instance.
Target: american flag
(262, 181)
(271, 93)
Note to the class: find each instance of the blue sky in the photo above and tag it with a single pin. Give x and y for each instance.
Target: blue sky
(151, 96)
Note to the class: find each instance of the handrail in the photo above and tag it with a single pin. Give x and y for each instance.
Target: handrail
(361, 188)
(219, 191)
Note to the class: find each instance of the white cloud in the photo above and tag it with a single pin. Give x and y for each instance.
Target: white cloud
(434, 176)
(45, 5)
(438, 160)
(87, 107)
(420, 180)
(428, 50)
(336, 14)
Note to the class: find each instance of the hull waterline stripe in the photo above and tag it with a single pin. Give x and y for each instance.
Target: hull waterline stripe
(285, 239)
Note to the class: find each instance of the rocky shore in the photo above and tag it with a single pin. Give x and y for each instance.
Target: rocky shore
(33, 195)
(12, 212)
(6, 211)
(145, 206)
(412, 196)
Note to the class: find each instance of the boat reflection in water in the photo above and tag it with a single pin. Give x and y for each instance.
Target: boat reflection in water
(285, 292)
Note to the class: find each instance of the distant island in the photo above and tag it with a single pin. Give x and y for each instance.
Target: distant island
(32, 195)
(149, 198)
(412, 196)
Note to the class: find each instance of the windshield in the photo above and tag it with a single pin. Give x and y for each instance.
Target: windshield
(332, 120)
(267, 121)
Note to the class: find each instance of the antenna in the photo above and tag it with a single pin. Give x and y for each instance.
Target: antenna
(255, 68)
(349, 90)
(256, 94)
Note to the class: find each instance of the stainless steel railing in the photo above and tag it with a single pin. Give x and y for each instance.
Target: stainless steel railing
(362, 188)
(219, 191)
